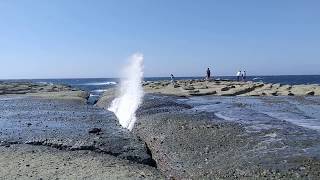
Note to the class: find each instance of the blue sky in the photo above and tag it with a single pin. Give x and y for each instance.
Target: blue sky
(93, 38)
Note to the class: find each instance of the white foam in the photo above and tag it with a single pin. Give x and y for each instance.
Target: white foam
(42, 82)
(93, 95)
(131, 92)
(99, 90)
(100, 83)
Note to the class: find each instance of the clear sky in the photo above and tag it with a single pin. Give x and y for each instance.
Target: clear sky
(93, 38)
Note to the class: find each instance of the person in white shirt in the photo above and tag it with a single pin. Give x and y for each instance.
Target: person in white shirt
(238, 75)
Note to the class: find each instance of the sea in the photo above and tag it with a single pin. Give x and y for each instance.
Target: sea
(96, 86)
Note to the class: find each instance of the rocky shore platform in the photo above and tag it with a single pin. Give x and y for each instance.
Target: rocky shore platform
(230, 130)
(53, 134)
(48, 91)
(49, 132)
(188, 88)
(189, 141)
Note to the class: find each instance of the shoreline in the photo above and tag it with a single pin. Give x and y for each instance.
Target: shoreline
(177, 135)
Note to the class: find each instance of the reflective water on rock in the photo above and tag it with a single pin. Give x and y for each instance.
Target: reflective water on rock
(263, 111)
(232, 137)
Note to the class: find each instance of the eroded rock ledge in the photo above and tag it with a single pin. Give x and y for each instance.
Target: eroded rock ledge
(189, 88)
(187, 144)
(67, 125)
(48, 91)
(190, 144)
(228, 88)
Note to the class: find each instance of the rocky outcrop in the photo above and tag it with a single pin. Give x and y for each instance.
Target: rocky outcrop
(310, 93)
(186, 88)
(247, 88)
(187, 144)
(107, 98)
(67, 125)
(25, 87)
(46, 133)
(40, 162)
(51, 91)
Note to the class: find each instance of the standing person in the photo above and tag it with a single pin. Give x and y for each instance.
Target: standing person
(172, 80)
(208, 74)
(238, 75)
(244, 76)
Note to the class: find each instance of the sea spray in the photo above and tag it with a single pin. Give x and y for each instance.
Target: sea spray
(131, 92)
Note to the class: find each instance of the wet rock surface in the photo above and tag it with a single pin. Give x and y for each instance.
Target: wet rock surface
(66, 125)
(194, 143)
(210, 137)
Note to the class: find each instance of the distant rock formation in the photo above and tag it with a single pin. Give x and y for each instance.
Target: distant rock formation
(229, 88)
(43, 90)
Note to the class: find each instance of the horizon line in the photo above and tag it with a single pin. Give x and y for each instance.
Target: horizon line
(157, 77)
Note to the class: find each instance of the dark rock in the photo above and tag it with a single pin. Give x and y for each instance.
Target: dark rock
(194, 91)
(246, 89)
(290, 94)
(227, 88)
(310, 93)
(203, 93)
(95, 130)
(188, 88)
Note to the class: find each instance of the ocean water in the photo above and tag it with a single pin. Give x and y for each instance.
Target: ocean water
(96, 86)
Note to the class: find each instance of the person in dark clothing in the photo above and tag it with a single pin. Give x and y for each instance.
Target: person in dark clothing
(173, 82)
(208, 74)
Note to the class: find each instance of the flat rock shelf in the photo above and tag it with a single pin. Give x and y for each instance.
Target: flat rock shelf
(193, 129)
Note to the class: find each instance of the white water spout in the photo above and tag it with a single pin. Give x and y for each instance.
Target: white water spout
(131, 92)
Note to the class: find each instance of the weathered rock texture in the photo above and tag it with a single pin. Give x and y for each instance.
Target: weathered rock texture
(43, 91)
(188, 88)
(53, 138)
(39, 162)
(65, 124)
(229, 88)
(187, 144)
